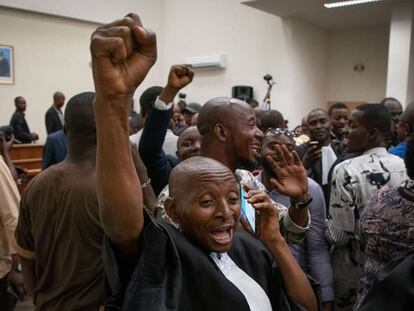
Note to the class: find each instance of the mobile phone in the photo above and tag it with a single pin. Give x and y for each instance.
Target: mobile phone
(248, 210)
(315, 143)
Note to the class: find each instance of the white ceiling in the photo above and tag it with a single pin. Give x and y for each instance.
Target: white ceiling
(313, 11)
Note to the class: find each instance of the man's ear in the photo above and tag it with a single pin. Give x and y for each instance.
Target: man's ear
(373, 134)
(221, 132)
(171, 210)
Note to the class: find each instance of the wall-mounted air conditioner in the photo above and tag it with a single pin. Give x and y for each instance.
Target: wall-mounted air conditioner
(218, 61)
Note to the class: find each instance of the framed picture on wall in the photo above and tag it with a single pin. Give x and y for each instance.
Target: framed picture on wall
(6, 64)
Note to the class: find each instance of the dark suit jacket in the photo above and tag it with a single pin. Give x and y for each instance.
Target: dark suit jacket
(55, 149)
(175, 273)
(158, 164)
(53, 123)
(20, 128)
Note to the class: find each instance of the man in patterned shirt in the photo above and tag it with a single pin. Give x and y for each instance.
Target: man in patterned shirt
(354, 182)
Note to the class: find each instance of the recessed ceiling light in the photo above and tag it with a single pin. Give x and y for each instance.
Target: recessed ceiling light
(346, 3)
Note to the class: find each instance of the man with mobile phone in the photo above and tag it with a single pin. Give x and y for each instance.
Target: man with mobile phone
(321, 152)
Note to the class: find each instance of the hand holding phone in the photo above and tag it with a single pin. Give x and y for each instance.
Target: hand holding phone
(260, 215)
(248, 210)
(313, 154)
(315, 143)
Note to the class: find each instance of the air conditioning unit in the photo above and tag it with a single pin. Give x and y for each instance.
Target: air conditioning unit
(218, 61)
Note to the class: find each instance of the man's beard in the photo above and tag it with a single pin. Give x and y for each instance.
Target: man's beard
(249, 165)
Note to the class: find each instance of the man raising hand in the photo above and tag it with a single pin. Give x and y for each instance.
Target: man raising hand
(123, 52)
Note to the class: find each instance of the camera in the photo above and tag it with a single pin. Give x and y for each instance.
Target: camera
(268, 78)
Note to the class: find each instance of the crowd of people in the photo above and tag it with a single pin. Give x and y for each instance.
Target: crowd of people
(150, 210)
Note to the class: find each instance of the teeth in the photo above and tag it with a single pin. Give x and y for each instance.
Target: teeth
(221, 236)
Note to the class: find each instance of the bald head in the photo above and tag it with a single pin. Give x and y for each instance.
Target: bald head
(194, 171)
(204, 199)
(58, 99)
(229, 132)
(220, 110)
(58, 94)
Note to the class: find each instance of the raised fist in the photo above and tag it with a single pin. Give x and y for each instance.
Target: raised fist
(123, 52)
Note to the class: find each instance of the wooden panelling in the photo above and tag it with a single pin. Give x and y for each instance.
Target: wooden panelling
(29, 158)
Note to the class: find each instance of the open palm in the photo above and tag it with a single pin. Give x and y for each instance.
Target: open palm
(290, 176)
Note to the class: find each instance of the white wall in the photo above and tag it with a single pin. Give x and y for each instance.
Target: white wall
(255, 43)
(306, 69)
(346, 48)
(51, 54)
(96, 11)
(401, 53)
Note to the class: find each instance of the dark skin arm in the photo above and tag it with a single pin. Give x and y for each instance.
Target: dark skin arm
(179, 77)
(15, 277)
(29, 276)
(149, 197)
(155, 130)
(123, 52)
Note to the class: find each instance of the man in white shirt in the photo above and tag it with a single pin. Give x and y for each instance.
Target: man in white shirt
(354, 182)
(146, 102)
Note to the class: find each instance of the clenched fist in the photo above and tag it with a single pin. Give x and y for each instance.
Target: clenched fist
(123, 52)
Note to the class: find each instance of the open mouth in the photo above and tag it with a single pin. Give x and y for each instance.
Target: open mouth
(222, 236)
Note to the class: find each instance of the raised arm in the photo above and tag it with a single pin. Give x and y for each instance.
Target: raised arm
(123, 52)
(157, 162)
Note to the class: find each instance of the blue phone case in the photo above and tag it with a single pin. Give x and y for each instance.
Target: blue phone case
(248, 210)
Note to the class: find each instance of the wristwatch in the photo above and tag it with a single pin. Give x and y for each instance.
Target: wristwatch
(301, 204)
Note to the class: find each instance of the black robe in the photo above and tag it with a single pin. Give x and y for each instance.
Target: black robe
(174, 273)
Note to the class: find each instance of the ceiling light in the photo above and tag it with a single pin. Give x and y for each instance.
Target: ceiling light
(346, 3)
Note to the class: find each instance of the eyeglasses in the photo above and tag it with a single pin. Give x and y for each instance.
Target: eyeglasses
(279, 131)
